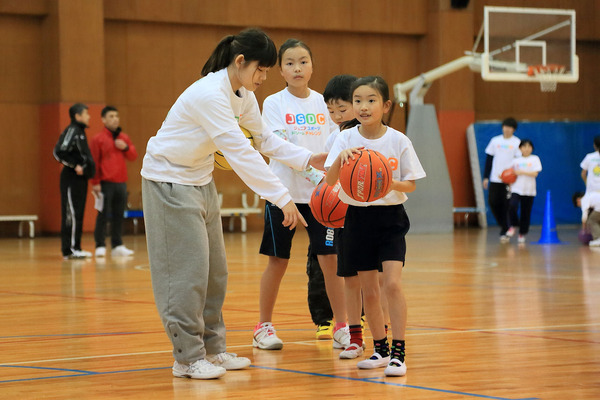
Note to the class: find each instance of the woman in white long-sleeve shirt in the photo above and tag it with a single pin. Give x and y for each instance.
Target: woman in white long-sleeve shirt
(181, 207)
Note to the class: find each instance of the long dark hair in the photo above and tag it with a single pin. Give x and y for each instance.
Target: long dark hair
(252, 43)
(375, 82)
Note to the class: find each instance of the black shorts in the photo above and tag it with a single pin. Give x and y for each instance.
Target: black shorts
(343, 269)
(277, 239)
(373, 235)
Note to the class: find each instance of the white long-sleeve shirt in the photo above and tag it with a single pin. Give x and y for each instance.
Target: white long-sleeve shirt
(205, 118)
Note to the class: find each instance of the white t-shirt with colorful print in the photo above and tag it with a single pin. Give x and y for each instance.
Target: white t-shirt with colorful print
(395, 146)
(525, 185)
(591, 163)
(504, 152)
(304, 122)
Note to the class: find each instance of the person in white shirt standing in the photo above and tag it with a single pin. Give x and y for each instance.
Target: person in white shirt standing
(590, 169)
(523, 191)
(299, 115)
(501, 151)
(181, 207)
(375, 232)
(590, 173)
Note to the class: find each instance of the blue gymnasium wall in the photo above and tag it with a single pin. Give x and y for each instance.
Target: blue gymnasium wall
(561, 146)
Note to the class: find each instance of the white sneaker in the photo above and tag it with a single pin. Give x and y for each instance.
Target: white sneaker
(594, 243)
(522, 239)
(100, 251)
(74, 256)
(265, 337)
(510, 232)
(229, 361)
(375, 361)
(121, 251)
(200, 369)
(395, 368)
(82, 253)
(352, 351)
(504, 239)
(341, 338)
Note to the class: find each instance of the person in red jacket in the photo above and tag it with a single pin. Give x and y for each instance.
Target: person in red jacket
(110, 149)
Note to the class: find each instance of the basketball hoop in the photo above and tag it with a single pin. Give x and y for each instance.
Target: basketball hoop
(546, 75)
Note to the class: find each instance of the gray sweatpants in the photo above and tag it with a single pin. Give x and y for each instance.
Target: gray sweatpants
(593, 223)
(188, 265)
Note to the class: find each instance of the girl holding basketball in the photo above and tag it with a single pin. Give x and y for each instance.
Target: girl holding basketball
(375, 232)
(523, 191)
(181, 207)
(300, 116)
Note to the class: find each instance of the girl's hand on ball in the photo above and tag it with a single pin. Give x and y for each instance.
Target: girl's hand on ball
(348, 154)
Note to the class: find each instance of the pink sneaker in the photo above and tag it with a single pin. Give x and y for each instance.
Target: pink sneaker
(265, 337)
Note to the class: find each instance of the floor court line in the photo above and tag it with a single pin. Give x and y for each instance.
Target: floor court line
(50, 369)
(496, 287)
(523, 328)
(366, 380)
(85, 298)
(370, 380)
(84, 373)
(441, 331)
(485, 271)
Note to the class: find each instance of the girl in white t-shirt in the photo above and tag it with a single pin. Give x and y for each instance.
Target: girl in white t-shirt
(523, 190)
(181, 206)
(590, 168)
(300, 116)
(375, 232)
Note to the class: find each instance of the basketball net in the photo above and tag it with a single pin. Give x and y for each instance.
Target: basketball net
(546, 74)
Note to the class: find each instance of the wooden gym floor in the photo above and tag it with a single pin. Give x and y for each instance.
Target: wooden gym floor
(486, 321)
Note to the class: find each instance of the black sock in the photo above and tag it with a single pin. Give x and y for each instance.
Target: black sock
(398, 349)
(382, 347)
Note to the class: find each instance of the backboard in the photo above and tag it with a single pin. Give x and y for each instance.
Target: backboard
(519, 42)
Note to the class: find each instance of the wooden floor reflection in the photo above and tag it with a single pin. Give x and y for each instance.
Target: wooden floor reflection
(486, 320)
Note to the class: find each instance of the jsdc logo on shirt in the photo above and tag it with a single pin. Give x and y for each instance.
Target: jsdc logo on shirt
(305, 119)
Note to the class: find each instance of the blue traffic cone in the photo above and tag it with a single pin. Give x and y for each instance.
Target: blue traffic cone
(549, 235)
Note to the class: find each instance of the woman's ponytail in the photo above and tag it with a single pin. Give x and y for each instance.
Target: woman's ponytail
(220, 57)
(252, 43)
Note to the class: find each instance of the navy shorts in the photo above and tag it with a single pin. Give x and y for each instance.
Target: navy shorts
(343, 269)
(277, 239)
(373, 235)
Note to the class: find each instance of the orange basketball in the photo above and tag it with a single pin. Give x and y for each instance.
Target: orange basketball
(366, 178)
(327, 207)
(508, 176)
